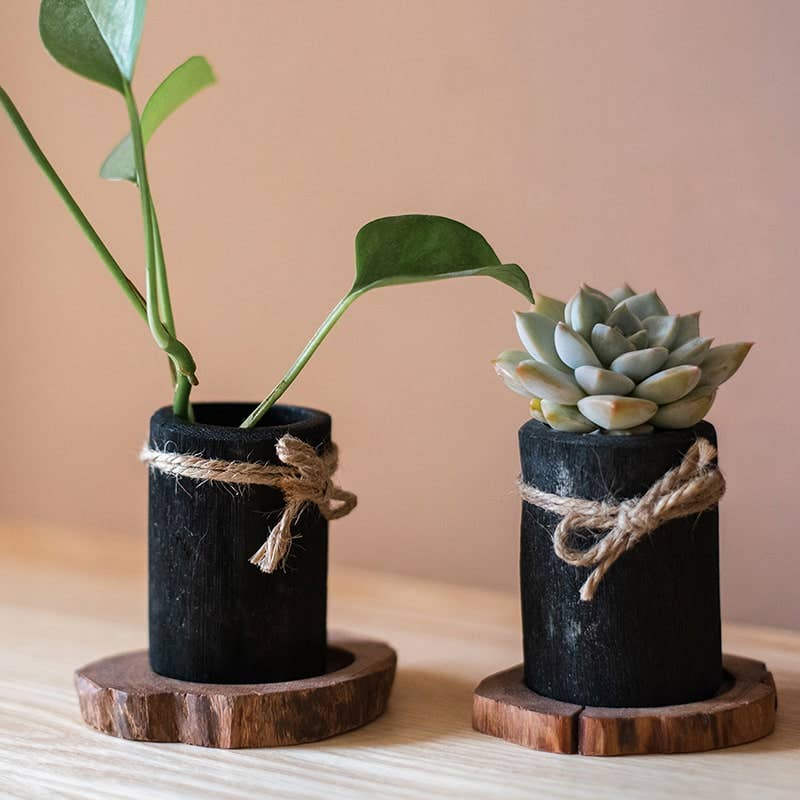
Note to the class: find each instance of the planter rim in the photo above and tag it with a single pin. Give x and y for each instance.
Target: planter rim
(281, 418)
(534, 428)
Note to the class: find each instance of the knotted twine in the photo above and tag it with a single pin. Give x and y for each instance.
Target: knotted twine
(692, 487)
(306, 477)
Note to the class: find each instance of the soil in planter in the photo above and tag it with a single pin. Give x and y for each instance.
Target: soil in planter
(651, 635)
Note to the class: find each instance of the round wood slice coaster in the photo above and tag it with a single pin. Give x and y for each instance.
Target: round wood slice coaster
(742, 711)
(123, 697)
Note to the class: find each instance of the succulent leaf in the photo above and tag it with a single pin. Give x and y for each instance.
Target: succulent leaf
(536, 409)
(548, 306)
(624, 319)
(549, 383)
(647, 304)
(661, 331)
(669, 385)
(608, 343)
(687, 411)
(609, 302)
(692, 352)
(537, 333)
(621, 293)
(640, 364)
(616, 413)
(565, 418)
(585, 311)
(639, 340)
(688, 328)
(573, 349)
(618, 362)
(568, 310)
(505, 365)
(595, 380)
(639, 429)
(722, 362)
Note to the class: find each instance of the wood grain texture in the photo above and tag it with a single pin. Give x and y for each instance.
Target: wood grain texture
(504, 707)
(122, 696)
(743, 711)
(68, 597)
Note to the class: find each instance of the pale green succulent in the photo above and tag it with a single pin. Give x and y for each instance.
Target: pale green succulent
(619, 363)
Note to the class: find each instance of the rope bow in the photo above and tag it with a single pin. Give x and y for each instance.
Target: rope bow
(692, 487)
(305, 478)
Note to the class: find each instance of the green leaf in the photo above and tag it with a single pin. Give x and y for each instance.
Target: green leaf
(418, 247)
(98, 39)
(406, 249)
(181, 84)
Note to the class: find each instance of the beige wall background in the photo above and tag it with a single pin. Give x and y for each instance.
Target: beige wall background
(655, 142)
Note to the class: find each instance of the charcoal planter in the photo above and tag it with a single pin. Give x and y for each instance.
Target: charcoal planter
(651, 635)
(213, 616)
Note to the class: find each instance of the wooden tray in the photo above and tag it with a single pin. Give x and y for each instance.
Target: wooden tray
(742, 711)
(123, 697)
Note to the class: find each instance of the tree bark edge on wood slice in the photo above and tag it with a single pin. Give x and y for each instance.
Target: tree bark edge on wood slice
(743, 711)
(121, 696)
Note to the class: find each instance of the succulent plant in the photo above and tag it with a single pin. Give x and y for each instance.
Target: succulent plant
(617, 363)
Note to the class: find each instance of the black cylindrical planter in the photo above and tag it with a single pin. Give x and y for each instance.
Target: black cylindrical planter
(651, 635)
(215, 617)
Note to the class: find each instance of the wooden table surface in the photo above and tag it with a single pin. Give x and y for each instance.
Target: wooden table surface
(67, 598)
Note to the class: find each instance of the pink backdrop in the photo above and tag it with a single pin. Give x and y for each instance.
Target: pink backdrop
(653, 142)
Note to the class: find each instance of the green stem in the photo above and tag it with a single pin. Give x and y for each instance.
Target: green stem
(300, 362)
(180, 401)
(165, 307)
(181, 404)
(182, 383)
(155, 298)
(127, 286)
(156, 328)
(164, 302)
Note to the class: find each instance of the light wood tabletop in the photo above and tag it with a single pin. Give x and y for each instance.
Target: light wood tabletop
(67, 598)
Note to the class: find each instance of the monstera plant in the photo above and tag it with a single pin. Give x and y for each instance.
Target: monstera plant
(617, 362)
(99, 40)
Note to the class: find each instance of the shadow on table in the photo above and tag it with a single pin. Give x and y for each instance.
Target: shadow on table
(424, 706)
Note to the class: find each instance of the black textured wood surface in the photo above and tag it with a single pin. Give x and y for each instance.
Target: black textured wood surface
(213, 616)
(651, 635)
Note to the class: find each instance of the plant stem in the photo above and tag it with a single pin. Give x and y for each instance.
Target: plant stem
(180, 401)
(155, 298)
(156, 328)
(164, 302)
(300, 362)
(165, 308)
(127, 286)
(181, 382)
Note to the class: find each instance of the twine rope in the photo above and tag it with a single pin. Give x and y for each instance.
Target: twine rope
(305, 477)
(692, 487)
